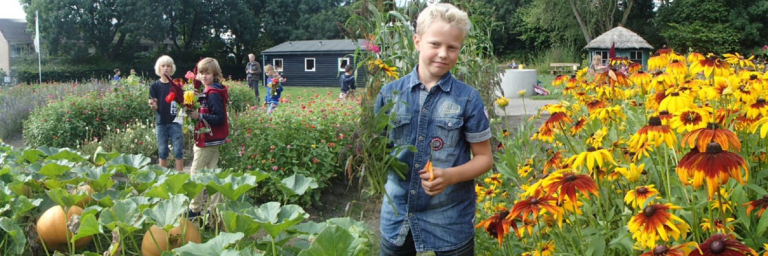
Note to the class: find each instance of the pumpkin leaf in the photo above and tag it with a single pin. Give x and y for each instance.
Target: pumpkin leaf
(55, 169)
(166, 213)
(100, 157)
(108, 197)
(274, 219)
(143, 179)
(30, 156)
(64, 198)
(14, 231)
(236, 222)
(124, 214)
(23, 204)
(127, 164)
(168, 185)
(335, 240)
(192, 189)
(232, 186)
(213, 247)
(88, 226)
(99, 178)
(297, 184)
(63, 154)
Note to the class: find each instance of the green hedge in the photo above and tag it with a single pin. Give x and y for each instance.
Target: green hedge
(69, 122)
(64, 73)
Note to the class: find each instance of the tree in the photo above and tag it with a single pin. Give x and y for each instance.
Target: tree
(703, 25)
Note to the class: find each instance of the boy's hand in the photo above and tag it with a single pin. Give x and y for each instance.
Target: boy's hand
(438, 184)
(193, 114)
(153, 104)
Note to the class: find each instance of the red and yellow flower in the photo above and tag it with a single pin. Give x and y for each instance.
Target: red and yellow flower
(721, 244)
(655, 222)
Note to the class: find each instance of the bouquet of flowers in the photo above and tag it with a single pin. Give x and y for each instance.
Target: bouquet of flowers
(188, 96)
(274, 85)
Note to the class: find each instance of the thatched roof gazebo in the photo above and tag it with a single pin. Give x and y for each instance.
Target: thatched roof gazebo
(627, 43)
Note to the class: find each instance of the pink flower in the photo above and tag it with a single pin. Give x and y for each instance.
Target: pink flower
(274, 168)
(372, 47)
(249, 167)
(314, 160)
(765, 47)
(289, 146)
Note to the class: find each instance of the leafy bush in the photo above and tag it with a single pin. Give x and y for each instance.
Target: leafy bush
(241, 96)
(65, 72)
(303, 138)
(19, 101)
(73, 120)
(68, 122)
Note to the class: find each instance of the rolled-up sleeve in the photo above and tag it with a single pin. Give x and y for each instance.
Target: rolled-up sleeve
(476, 123)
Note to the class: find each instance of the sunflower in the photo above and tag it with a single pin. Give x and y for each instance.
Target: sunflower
(535, 204)
(559, 80)
(654, 222)
(711, 66)
(494, 179)
(677, 250)
(554, 162)
(654, 133)
(712, 132)
(722, 244)
(567, 183)
(637, 197)
(498, 225)
(695, 57)
(717, 226)
(633, 173)
(690, 119)
(677, 68)
(714, 165)
(757, 109)
(641, 78)
(736, 59)
(545, 249)
(578, 126)
(761, 204)
(675, 102)
(592, 155)
(657, 62)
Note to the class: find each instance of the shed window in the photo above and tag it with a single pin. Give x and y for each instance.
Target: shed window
(278, 64)
(309, 64)
(604, 55)
(636, 56)
(343, 62)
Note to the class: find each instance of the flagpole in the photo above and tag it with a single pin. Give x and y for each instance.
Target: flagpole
(37, 41)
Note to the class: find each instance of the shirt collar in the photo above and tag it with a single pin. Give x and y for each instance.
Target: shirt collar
(444, 83)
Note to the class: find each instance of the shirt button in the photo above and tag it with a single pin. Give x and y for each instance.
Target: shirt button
(416, 165)
(424, 110)
(450, 124)
(421, 137)
(413, 192)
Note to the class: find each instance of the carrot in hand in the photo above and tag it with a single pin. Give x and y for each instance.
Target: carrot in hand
(428, 167)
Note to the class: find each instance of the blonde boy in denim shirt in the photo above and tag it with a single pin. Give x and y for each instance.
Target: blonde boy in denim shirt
(444, 118)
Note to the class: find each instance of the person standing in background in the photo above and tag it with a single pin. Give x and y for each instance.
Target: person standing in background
(253, 71)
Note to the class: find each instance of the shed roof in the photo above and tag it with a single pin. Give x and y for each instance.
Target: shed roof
(624, 39)
(339, 45)
(15, 31)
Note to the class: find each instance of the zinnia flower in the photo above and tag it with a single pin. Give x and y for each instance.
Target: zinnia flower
(639, 195)
(655, 222)
(497, 226)
(171, 96)
(567, 183)
(189, 98)
(721, 244)
(761, 204)
(712, 132)
(677, 250)
(714, 165)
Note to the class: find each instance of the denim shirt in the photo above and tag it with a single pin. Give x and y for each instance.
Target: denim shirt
(444, 120)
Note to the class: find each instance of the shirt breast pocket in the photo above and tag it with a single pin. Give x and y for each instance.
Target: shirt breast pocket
(401, 129)
(447, 129)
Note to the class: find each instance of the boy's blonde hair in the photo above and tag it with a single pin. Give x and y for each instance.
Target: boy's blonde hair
(445, 12)
(210, 65)
(269, 69)
(164, 60)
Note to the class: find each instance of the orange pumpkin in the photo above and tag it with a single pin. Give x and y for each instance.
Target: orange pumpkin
(87, 200)
(149, 248)
(52, 228)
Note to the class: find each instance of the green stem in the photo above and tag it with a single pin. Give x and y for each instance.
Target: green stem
(135, 245)
(722, 211)
(578, 229)
(274, 250)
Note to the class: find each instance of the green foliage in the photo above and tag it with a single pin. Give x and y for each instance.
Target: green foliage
(298, 138)
(63, 73)
(121, 212)
(241, 96)
(137, 138)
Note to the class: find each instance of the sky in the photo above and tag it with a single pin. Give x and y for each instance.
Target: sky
(11, 9)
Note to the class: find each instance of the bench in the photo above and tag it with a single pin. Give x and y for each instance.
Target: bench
(563, 68)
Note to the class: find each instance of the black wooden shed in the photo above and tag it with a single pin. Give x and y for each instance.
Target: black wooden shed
(314, 62)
